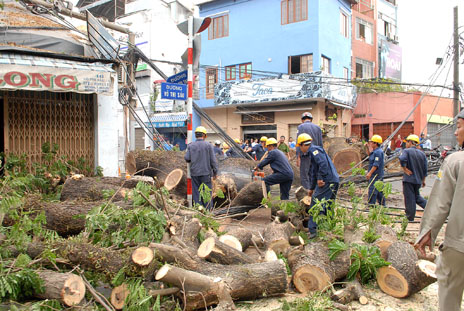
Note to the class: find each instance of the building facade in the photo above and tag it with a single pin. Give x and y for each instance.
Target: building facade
(265, 62)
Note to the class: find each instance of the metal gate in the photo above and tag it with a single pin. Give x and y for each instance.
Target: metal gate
(34, 118)
(445, 138)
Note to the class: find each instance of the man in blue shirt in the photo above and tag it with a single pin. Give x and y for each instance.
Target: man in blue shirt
(375, 170)
(414, 163)
(203, 165)
(232, 153)
(307, 126)
(324, 179)
(282, 171)
(217, 149)
(259, 149)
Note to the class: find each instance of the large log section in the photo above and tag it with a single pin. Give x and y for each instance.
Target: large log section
(93, 188)
(68, 288)
(406, 275)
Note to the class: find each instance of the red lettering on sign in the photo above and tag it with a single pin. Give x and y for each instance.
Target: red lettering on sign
(66, 82)
(11, 76)
(39, 79)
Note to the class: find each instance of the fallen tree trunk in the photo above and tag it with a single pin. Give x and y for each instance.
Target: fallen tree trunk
(96, 188)
(200, 291)
(251, 194)
(276, 236)
(406, 275)
(68, 288)
(312, 269)
(215, 251)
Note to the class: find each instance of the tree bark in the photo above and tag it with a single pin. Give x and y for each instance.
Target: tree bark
(387, 238)
(312, 269)
(186, 229)
(276, 236)
(226, 185)
(352, 291)
(251, 194)
(68, 288)
(93, 188)
(215, 251)
(406, 275)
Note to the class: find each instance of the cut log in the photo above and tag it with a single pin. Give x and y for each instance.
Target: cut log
(406, 275)
(215, 251)
(68, 288)
(276, 236)
(312, 269)
(96, 188)
(131, 167)
(237, 234)
(119, 295)
(142, 256)
(200, 290)
(296, 240)
(343, 159)
(176, 182)
(270, 255)
(352, 291)
(186, 229)
(247, 281)
(387, 238)
(251, 194)
(224, 184)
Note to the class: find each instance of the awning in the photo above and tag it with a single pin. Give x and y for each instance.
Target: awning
(161, 120)
(38, 73)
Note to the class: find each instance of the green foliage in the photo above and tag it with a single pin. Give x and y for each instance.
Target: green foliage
(377, 85)
(46, 305)
(207, 222)
(139, 299)
(109, 225)
(370, 236)
(315, 302)
(290, 207)
(404, 225)
(205, 193)
(333, 222)
(285, 260)
(365, 259)
(336, 247)
(17, 283)
(384, 187)
(145, 189)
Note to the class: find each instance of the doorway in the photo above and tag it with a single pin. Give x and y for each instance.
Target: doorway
(257, 131)
(365, 132)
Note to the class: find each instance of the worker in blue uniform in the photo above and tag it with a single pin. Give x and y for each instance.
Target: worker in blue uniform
(414, 164)
(260, 149)
(324, 179)
(307, 126)
(282, 171)
(232, 153)
(217, 149)
(375, 170)
(203, 165)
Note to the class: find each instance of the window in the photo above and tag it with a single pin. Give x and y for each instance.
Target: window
(293, 11)
(346, 73)
(219, 27)
(325, 64)
(211, 80)
(344, 24)
(300, 63)
(244, 71)
(230, 73)
(364, 69)
(363, 31)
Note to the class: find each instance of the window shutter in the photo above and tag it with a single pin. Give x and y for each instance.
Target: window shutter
(284, 12)
(226, 25)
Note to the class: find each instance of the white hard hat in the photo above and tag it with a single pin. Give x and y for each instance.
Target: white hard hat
(217, 142)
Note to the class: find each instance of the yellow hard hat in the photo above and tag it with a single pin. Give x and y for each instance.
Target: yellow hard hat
(376, 139)
(271, 141)
(303, 138)
(414, 138)
(237, 140)
(200, 129)
(225, 146)
(263, 138)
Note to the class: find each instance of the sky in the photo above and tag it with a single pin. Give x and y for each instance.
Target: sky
(425, 30)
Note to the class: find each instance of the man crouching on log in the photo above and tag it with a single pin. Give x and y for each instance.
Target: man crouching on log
(446, 202)
(203, 165)
(283, 172)
(323, 177)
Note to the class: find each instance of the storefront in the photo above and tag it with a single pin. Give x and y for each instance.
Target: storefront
(172, 126)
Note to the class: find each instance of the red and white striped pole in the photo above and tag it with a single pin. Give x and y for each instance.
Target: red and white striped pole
(189, 102)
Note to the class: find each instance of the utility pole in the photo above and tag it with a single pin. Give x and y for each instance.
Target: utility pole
(456, 104)
(190, 35)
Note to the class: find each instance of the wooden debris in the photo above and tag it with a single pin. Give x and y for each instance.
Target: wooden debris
(68, 288)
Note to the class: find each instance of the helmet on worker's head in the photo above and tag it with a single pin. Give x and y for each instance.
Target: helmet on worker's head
(413, 138)
(303, 139)
(461, 114)
(200, 129)
(271, 141)
(307, 115)
(237, 140)
(376, 139)
(225, 146)
(217, 142)
(263, 138)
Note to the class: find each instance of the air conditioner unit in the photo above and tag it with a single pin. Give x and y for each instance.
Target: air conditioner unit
(121, 75)
(395, 38)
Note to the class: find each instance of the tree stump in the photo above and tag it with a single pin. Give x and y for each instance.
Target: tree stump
(406, 275)
(118, 296)
(312, 269)
(215, 251)
(276, 236)
(68, 288)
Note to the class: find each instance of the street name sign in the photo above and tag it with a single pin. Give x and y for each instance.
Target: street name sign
(174, 91)
(181, 78)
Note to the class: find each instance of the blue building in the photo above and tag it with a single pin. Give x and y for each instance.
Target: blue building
(264, 62)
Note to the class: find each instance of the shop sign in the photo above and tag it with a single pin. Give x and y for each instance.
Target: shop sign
(55, 80)
(262, 117)
(166, 124)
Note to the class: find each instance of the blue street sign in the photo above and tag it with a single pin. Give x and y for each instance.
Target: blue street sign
(181, 77)
(174, 91)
